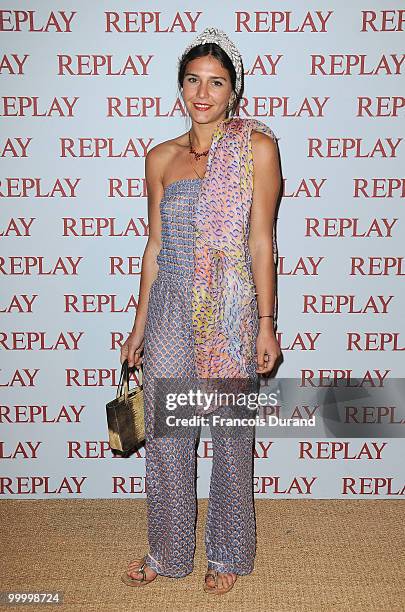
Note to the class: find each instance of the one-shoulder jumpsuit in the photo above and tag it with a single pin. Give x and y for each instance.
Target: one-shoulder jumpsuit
(170, 463)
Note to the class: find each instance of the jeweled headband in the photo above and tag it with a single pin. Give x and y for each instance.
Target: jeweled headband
(213, 35)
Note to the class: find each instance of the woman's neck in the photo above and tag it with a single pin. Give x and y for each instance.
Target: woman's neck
(201, 134)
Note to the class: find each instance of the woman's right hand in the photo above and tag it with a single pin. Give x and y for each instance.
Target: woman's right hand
(132, 349)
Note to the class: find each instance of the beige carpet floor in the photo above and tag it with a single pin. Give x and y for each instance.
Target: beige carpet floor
(312, 555)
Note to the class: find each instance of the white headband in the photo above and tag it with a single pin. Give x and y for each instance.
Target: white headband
(213, 35)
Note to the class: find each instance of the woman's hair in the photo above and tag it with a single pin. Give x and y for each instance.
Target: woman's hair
(219, 54)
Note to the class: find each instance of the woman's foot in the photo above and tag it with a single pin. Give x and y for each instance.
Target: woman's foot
(219, 582)
(138, 573)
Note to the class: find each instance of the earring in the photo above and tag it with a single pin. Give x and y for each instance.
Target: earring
(231, 102)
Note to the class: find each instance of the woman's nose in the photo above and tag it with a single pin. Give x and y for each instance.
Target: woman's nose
(203, 90)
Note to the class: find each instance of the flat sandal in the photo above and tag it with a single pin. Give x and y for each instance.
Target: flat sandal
(217, 591)
(138, 581)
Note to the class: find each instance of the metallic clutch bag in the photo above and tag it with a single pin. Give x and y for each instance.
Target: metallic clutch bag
(125, 415)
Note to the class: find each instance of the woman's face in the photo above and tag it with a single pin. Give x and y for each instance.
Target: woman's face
(206, 89)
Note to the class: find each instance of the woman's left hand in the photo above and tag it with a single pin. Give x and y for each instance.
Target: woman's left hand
(268, 351)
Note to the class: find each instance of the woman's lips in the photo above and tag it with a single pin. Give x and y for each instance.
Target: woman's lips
(202, 107)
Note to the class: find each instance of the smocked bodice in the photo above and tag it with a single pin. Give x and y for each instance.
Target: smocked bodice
(177, 210)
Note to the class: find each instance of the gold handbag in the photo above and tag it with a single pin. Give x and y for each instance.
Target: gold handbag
(125, 415)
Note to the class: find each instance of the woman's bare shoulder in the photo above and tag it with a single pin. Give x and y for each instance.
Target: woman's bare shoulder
(167, 149)
(264, 148)
(263, 140)
(161, 156)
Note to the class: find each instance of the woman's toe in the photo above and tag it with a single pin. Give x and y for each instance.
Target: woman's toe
(223, 581)
(210, 581)
(133, 574)
(228, 580)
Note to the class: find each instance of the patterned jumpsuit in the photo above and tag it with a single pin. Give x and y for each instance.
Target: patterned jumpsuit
(170, 463)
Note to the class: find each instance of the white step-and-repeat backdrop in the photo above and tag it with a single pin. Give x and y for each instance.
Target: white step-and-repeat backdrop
(86, 90)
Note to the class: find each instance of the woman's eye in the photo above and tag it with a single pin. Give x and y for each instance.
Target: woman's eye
(194, 79)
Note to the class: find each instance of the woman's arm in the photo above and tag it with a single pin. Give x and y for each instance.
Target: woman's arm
(133, 346)
(150, 267)
(266, 189)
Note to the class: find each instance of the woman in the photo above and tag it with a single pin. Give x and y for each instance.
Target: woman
(211, 244)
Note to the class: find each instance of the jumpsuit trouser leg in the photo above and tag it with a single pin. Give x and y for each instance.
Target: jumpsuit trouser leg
(171, 505)
(230, 533)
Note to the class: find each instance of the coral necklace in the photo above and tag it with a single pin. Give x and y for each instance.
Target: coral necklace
(194, 152)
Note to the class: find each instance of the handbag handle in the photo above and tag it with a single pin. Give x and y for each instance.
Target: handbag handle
(123, 382)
